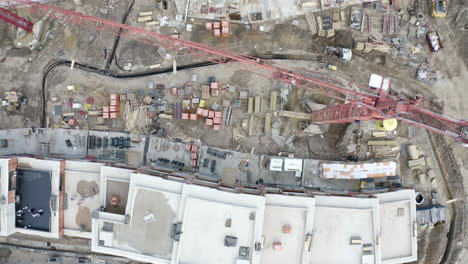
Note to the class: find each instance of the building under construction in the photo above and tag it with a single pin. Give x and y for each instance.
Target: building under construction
(272, 133)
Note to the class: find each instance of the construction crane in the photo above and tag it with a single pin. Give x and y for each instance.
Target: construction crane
(15, 20)
(356, 102)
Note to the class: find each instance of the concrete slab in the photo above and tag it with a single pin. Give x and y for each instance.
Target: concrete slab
(334, 228)
(151, 238)
(293, 243)
(82, 189)
(398, 212)
(203, 237)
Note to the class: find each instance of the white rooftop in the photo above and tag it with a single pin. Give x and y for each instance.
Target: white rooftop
(208, 215)
(336, 221)
(398, 212)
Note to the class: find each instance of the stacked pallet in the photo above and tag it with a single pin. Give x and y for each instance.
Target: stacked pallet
(193, 149)
(220, 29)
(213, 118)
(113, 110)
(350, 171)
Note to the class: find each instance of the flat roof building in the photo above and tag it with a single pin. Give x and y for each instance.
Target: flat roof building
(160, 216)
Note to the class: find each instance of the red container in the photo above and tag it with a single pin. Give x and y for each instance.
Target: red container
(218, 114)
(105, 115)
(210, 114)
(193, 163)
(205, 112)
(216, 25)
(209, 26)
(224, 24)
(185, 116)
(214, 92)
(114, 115)
(217, 127)
(209, 122)
(114, 102)
(194, 156)
(105, 109)
(217, 32)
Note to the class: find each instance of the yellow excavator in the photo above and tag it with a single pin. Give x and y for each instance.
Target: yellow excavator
(439, 8)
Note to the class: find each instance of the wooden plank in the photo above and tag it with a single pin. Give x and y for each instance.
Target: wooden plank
(273, 102)
(250, 108)
(292, 114)
(311, 23)
(258, 104)
(251, 125)
(383, 143)
(268, 124)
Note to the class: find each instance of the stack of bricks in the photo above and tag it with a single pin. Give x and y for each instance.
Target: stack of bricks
(105, 112)
(213, 118)
(224, 29)
(220, 29)
(214, 89)
(193, 149)
(114, 108)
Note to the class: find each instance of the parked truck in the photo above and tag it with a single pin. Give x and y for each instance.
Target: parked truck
(341, 53)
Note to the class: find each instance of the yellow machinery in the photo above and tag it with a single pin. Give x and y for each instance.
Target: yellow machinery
(387, 125)
(439, 8)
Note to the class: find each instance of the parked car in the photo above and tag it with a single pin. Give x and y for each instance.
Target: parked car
(434, 41)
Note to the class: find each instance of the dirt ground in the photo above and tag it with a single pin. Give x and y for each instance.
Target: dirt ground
(22, 70)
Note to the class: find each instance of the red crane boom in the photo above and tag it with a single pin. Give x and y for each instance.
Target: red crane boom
(360, 103)
(15, 20)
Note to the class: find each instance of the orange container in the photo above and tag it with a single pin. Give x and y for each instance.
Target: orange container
(115, 115)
